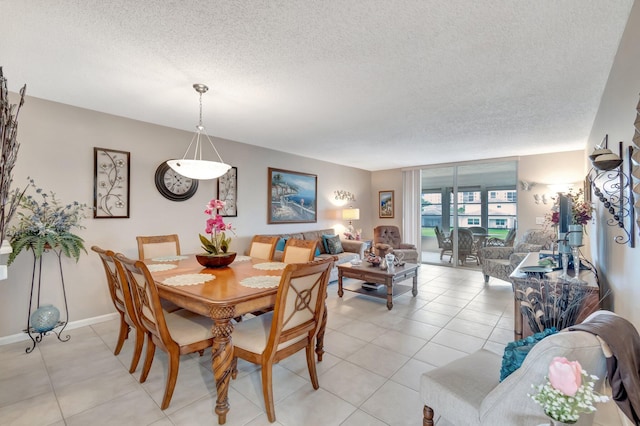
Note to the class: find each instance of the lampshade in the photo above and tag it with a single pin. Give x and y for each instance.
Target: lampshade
(351, 214)
(197, 168)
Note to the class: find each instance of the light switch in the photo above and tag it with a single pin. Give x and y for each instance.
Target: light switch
(539, 220)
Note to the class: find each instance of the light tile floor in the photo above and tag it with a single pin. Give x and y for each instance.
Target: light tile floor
(369, 375)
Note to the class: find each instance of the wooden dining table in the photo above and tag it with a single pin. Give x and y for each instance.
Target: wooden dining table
(223, 299)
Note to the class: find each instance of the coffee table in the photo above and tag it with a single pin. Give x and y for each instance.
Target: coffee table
(372, 274)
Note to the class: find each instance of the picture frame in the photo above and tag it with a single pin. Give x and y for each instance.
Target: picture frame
(292, 197)
(385, 204)
(228, 192)
(111, 184)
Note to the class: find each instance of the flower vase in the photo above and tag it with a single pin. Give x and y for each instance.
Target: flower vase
(216, 260)
(575, 235)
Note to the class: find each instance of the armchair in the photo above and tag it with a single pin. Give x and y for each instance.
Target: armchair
(444, 243)
(468, 392)
(387, 239)
(499, 262)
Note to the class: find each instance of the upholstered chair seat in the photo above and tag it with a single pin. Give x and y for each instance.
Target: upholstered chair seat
(467, 391)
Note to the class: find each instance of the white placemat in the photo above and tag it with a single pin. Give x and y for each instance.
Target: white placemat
(157, 267)
(270, 266)
(189, 279)
(261, 281)
(169, 258)
(241, 259)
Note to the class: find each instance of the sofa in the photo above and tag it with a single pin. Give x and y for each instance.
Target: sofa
(500, 262)
(353, 249)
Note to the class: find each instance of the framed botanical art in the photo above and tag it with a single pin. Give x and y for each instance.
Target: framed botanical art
(292, 197)
(385, 204)
(111, 169)
(228, 192)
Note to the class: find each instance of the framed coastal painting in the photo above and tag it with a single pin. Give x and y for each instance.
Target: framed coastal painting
(292, 197)
(385, 204)
(111, 170)
(228, 192)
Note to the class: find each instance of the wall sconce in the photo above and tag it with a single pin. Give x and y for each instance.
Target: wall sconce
(350, 214)
(344, 195)
(613, 188)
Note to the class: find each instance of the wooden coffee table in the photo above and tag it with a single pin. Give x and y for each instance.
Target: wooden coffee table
(373, 274)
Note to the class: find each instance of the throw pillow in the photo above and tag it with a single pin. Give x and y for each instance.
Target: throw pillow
(515, 352)
(317, 253)
(324, 242)
(280, 244)
(334, 245)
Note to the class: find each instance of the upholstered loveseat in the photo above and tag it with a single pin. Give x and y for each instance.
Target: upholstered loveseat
(353, 249)
(499, 262)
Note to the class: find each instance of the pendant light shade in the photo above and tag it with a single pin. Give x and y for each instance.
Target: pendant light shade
(197, 168)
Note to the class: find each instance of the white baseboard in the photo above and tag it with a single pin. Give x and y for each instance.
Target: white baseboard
(74, 324)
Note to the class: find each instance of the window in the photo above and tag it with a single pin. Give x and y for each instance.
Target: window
(468, 197)
(501, 222)
(492, 195)
(511, 196)
(473, 221)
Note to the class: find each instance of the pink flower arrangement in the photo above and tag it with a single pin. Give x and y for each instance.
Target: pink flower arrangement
(581, 211)
(565, 396)
(217, 243)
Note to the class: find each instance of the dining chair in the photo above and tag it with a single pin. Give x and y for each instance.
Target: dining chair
(121, 297)
(158, 245)
(299, 251)
(263, 246)
(292, 326)
(466, 246)
(444, 243)
(177, 333)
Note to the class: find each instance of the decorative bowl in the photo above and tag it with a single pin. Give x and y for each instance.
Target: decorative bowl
(607, 162)
(216, 260)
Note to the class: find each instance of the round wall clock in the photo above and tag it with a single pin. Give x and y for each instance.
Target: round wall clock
(173, 185)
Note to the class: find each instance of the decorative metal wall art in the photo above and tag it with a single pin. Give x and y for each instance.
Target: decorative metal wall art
(228, 192)
(612, 186)
(110, 183)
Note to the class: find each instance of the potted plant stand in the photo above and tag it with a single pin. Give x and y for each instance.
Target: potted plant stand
(44, 319)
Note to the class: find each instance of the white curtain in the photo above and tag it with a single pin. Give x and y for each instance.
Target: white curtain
(411, 226)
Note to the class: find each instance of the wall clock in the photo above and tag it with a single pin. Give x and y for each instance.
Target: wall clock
(172, 185)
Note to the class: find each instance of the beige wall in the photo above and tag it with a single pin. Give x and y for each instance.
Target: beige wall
(619, 264)
(56, 150)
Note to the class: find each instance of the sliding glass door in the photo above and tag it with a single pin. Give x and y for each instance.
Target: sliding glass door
(480, 197)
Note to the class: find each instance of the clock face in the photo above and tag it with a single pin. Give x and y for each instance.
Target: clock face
(173, 185)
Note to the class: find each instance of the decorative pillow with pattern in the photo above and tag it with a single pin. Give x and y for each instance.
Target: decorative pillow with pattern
(515, 352)
(334, 245)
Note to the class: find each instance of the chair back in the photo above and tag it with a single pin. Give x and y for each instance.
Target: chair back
(510, 238)
(465, 242)
(146, 300)
(300, 304)
(299, 251)
(263, 247)
(477, 230)
(118, 286)
(387, 234)
(443, 242)
(158, 245)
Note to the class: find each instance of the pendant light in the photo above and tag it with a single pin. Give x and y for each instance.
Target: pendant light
(197, 168)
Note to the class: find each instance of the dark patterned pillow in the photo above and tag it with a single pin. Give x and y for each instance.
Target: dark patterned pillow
(334, 246)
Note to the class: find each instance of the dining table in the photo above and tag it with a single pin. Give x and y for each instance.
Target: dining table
(232, 292)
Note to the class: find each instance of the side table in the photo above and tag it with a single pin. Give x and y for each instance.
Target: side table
(544, 299)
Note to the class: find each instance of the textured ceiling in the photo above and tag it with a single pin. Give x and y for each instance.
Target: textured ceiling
(370, 84)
